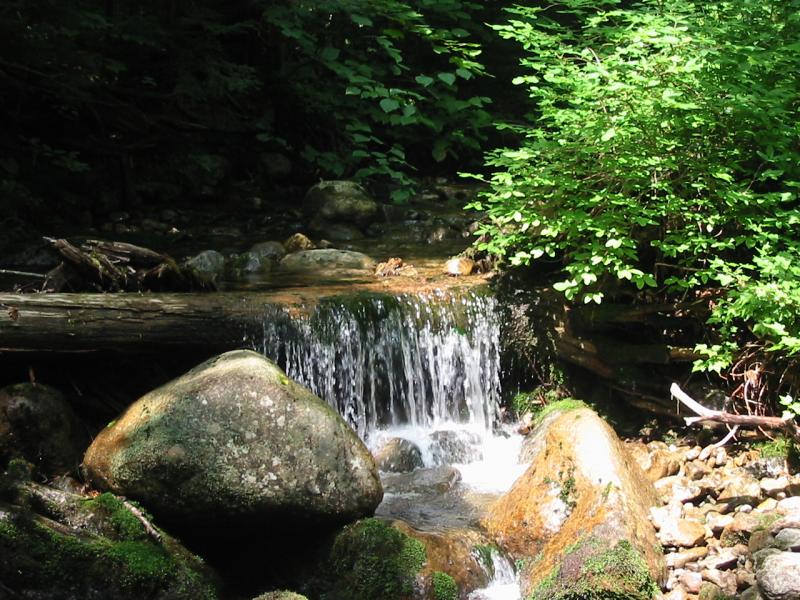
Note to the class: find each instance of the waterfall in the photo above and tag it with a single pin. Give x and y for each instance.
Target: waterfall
(419, 360)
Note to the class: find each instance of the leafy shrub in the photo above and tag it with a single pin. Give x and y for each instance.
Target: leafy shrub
(663, 155)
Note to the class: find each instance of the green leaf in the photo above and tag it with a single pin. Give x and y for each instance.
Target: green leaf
(423, 80)
(389, 104)
(608, 134)
(448, 78)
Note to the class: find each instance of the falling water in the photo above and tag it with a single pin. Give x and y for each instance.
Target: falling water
(425, 368)
(418, 360)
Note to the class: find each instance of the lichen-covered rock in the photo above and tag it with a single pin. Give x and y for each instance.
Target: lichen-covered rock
(326, 261)
(234, 442)
(579, 514)
(37, 424)
(92, 548)
(398, 455)
(340, 202)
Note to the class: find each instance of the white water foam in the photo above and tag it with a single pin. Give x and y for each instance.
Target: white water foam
(503, 585)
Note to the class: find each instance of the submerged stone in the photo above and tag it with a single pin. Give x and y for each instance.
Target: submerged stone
(235, 444)
(340, 202)
(323, 261)
(398, 455)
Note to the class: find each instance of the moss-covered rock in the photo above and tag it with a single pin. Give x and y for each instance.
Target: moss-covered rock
(443, 586)
(236, 445)
(64, 546)
(37, 424)
(371, 559)
(593, 570)
(582, 502)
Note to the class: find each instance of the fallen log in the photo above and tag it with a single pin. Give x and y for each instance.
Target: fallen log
(130, 322)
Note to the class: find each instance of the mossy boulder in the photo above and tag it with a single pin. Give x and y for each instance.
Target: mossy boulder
(370, 559)
(72, 547)
(582, 503)
(37, 424)
(234, 445)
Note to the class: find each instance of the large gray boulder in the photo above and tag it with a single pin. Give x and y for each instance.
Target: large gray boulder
(236, 442)
(340, 202)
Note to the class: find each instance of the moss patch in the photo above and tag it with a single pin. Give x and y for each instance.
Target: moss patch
(444, 587)
(51, 559)
(565, 405)
(370, 559)
(589, 570)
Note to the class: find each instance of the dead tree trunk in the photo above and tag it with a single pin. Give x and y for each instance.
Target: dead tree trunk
(130, 322)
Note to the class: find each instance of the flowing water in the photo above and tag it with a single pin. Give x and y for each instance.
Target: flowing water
(424, 368)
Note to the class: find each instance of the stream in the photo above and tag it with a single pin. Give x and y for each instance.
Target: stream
(423, 368)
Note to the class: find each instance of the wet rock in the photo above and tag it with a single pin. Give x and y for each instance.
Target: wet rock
(583, 474)
(452, 552)
(459, 266)
(326, 261)
(235, 444)
(298, 242)
(438, 479)
(398, 455)
(72, 547)
(340, 202)
(208, 266)
(448, 447)
(779, 576)
(271, 250)
(37, 424)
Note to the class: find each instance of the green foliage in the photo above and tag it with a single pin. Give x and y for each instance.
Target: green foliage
(444, 586)
(663, 155)
(370, 559)
(394, 73)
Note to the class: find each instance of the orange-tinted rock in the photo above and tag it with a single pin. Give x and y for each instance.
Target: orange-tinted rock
(583, 499)
(451, 552)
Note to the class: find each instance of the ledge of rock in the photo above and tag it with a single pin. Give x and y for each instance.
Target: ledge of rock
(235, 442)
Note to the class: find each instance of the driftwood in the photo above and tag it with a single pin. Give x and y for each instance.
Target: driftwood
(100, 265)
(717, 416)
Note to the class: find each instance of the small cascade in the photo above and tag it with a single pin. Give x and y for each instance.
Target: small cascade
(503, 584)
(382, 361)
